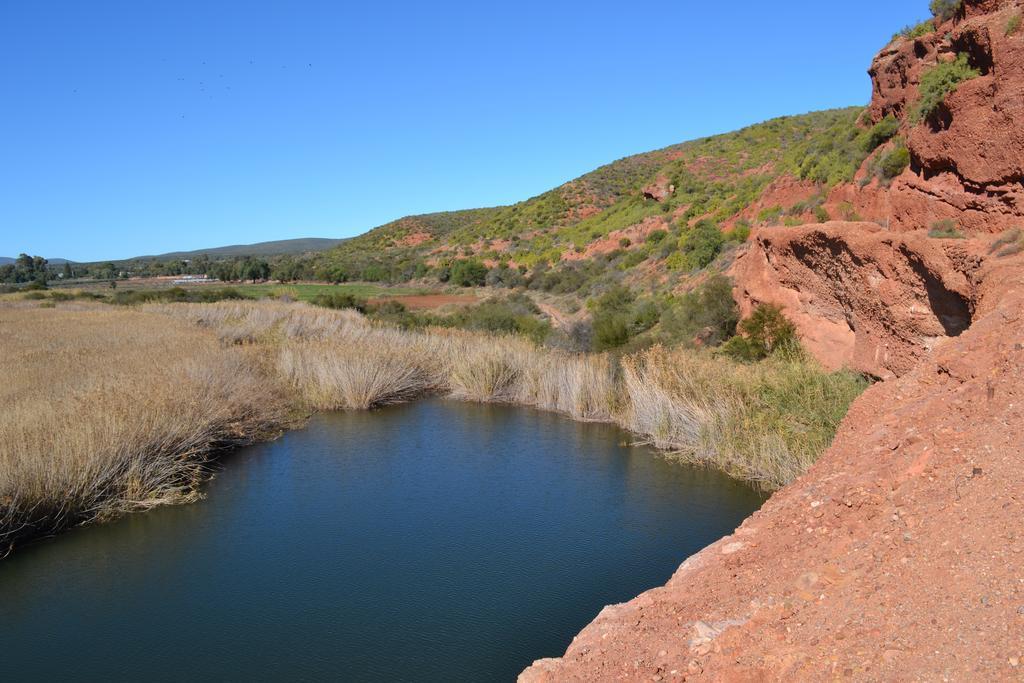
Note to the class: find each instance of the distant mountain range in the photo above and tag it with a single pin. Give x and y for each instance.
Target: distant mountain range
(273, 248)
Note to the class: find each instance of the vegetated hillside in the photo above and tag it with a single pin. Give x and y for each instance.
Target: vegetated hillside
(609, 215)
(274, 248)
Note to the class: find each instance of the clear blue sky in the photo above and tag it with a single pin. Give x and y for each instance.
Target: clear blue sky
(129, 128)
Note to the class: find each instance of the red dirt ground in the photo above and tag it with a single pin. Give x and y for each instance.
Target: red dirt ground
(422, 302)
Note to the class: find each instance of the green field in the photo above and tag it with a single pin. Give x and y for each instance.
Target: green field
(298, 291)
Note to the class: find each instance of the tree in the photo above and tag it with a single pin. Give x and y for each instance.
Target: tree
(255, 269)
(26, 269)
(468, 273)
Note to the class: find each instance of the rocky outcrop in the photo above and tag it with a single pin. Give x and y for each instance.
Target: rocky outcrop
(660, 190)
(862, 296)
(968, 158)
(878, 297)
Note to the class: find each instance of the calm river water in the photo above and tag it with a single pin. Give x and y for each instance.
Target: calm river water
(432, 541)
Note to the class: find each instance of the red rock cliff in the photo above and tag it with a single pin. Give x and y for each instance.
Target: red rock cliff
(879, 299)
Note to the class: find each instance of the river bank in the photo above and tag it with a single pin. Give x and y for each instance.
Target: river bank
(121, 410)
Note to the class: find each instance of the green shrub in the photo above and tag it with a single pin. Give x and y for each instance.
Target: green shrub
(944, 10)
(770, 215)
(938, 82)
(893, 162)
(766, 332)
(848, 212)
(1013, 25)
(946, 229)
(655, 236)
(610, 331)
(619, 317)
(881, 133)
(707, 313)
(740, 232)
(916, 30)
(700, 247)
(632, 259)
(339, 300)
(821, 215)
(503, 276)
(625, 242)
(468, 273)
(201, 295)
(514, 314)
(388, 307)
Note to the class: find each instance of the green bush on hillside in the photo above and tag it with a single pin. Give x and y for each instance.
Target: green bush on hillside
(1013, 25)
(938, 82)
(893, 162)
(770, 215)
(916, 30)
(740, 232)
(619, 317)
(831, 156)
(946, 229)
(944, 10)
(881, 133)
(700, 247)
(707, 315)
(503, 276)
(514, 314)
(468, 273)
(766, 332)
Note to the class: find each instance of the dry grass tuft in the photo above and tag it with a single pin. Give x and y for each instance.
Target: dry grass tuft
(333, 376)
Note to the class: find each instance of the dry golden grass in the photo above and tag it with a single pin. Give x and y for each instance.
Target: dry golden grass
(338, 359)
(109, 410)
(112, 410)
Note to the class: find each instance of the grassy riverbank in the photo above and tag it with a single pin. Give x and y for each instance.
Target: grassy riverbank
(109, 411)
(118, 410)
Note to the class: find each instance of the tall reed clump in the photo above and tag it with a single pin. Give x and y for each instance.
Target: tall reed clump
(108, 411)
(765, 422)
(330, 376)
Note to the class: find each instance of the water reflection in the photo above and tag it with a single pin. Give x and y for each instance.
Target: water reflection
(433, 541)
